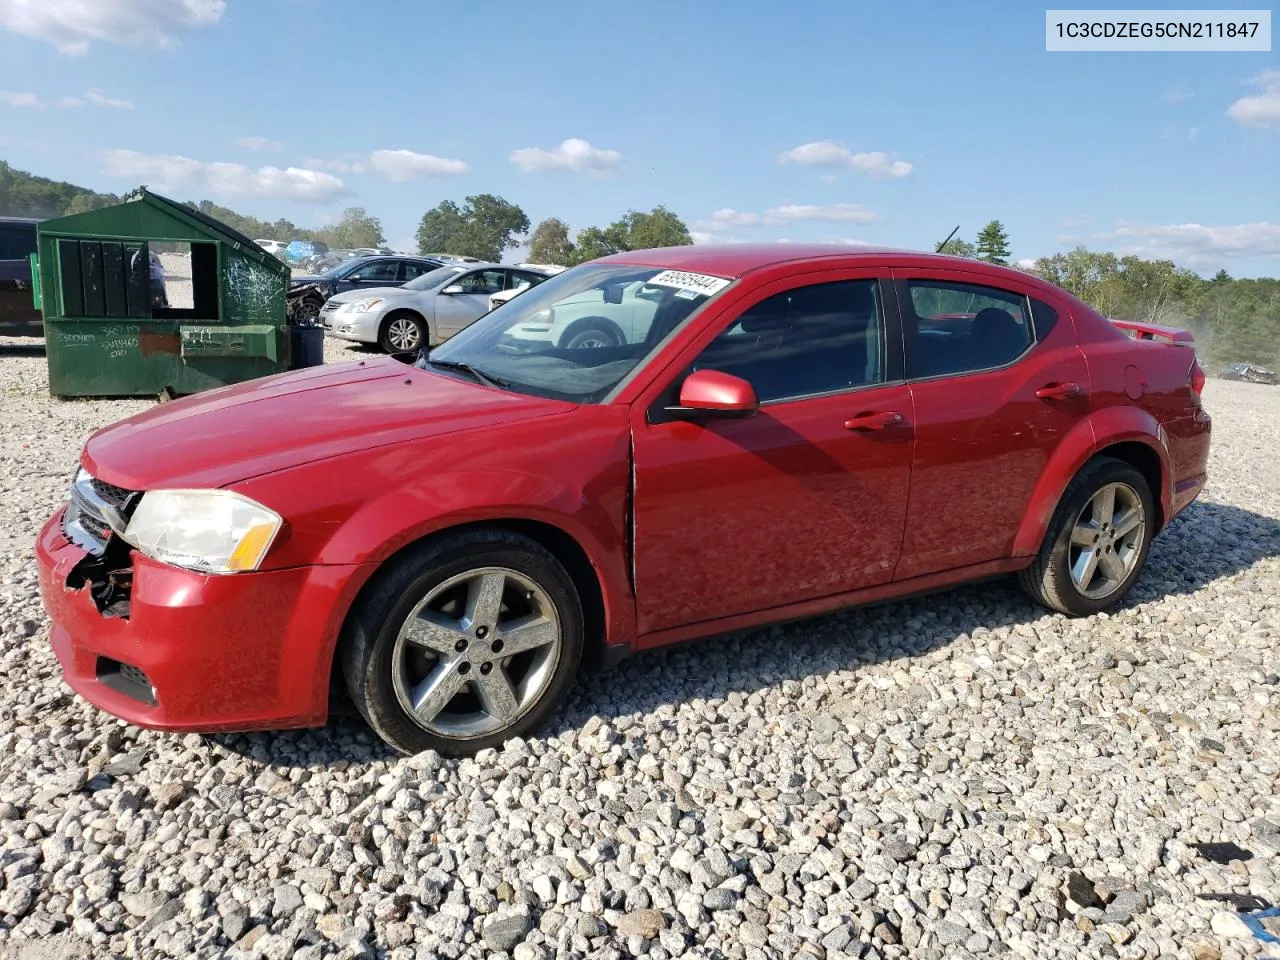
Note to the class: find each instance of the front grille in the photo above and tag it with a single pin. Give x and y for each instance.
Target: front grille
(94, 511)
(116, 496)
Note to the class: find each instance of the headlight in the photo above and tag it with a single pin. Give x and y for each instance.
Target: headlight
(362, 306)
(210, 531)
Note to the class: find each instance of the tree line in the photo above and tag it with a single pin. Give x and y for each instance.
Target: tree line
(25, 195)
(1233, 320)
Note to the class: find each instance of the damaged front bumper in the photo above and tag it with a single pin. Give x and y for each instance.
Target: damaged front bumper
(172, 649)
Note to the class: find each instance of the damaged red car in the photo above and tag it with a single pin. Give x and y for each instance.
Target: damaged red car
(655, 446)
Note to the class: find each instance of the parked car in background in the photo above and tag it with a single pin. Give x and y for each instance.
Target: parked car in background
(550, 269)
(273, 247)
(425, 311)
(607, 317)
(320, 262)
(357, 273)
(451, 258)
(298, 250)
(18, 314)
(1250, 373)
(452, 539)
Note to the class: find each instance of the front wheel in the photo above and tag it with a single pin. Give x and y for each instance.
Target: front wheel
(1097, 541)
(464, 642)
(403, 333)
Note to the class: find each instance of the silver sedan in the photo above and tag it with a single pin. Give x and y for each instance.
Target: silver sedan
(424, 311)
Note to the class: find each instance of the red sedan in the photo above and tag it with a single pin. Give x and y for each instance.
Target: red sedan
(764, 433)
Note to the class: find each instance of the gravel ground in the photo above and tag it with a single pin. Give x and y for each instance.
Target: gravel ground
(956, 776)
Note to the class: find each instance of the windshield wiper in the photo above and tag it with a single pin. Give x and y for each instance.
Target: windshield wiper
(476, 374)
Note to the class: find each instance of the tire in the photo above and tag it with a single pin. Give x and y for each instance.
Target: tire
(385, 672)
(308, 309)
(1050, 580)
(592, 332)
(406, 325)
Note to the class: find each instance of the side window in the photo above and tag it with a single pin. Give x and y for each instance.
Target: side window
(962, 327)
(385, 270)
(811, 340)
(411, 271)
(483, 281)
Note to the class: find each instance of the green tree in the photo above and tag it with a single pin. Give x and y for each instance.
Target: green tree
(633, 231)
(355, 229)
(483, 227)
(956, 247)
(993, 243)
(550, 243)
(1221, 277)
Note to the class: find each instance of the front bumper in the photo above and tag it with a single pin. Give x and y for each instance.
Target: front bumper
(246, 651)
(357, 327)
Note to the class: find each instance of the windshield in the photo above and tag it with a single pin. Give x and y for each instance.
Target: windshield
(436, 278)
(575, 336)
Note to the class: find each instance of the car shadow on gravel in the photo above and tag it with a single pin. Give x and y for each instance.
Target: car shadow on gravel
(1208, 542)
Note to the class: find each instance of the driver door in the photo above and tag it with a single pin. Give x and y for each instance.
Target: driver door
(803, 500)
(471, 301)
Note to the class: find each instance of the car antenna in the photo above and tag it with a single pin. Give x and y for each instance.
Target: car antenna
(946, 241)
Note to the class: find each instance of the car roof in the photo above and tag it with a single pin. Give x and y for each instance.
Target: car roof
(737, 259)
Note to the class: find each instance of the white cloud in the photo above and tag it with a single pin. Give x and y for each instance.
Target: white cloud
(166, 172)
(72, 25)
(1195, 245)
(572, 155)
(827, 153)
(1263, 109)
(93, 98)
(397, 166)
(96, 98)
(401, 165)
(14, 99)
(259, 143)
(713, 229)
(1026, 263)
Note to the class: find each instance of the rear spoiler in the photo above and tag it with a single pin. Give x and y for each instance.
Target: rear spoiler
(1151, 331)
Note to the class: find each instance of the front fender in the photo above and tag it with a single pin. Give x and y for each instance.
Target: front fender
(1096, 432)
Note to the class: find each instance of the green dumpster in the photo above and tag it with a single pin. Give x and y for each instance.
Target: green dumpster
(151, 297)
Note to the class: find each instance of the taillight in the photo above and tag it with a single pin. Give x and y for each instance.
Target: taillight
(1197, 378)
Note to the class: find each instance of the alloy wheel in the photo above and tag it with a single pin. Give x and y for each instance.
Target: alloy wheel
(1106, 540)
(403, 334)
(477, 653)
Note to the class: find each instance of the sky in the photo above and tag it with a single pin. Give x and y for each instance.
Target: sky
(846, 122)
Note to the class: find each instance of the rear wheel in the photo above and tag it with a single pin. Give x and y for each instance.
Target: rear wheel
(463, 643)
(1097, 542)
(403, 333)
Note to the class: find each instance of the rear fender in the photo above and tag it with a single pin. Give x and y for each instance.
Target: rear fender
(1101, 429)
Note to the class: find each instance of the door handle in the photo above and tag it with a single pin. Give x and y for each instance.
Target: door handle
(1058, 391)
(873, 421)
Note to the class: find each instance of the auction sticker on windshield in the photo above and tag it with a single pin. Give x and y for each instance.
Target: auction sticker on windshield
(695, 282)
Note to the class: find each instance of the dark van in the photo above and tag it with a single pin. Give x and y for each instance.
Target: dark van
(18, 314)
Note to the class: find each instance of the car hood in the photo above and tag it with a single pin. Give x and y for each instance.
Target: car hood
(361, 293)
(309, 278)
(234, 433)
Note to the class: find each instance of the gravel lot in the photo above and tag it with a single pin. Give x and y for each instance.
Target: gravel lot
(957, 776)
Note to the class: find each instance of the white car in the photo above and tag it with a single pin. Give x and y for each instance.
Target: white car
(595, 318)
(426, 310)
(273, 247)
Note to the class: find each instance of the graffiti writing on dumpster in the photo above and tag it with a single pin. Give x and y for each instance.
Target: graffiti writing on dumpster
(254, 293)
(119, 340)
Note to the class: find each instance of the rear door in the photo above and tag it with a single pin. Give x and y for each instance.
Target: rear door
(803, 500)
(470, 301)
(997, 380)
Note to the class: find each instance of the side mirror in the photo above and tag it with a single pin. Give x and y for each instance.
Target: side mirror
(710, 393)
(612, 292)
(452, 289)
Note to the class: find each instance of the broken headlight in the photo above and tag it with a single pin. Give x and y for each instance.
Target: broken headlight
(209, 531)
